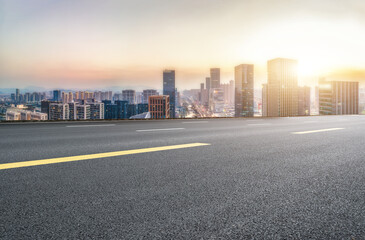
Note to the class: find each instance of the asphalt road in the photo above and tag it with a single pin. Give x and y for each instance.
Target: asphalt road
(256, 180)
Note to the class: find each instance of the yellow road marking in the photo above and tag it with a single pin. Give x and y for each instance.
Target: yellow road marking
(320, 130)
(97, 155)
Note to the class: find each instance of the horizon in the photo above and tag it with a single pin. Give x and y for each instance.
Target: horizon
(127, 44)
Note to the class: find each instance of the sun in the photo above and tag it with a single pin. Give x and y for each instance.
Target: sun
(308, 68)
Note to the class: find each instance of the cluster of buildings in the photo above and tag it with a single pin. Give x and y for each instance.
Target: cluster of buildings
(19, 98)
(281, 97)
(25, 115)
(215, 97)
(84, 105)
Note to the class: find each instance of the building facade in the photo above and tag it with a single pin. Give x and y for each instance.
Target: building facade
(282, 88)
(147, 93)
(244, 90)
(129, 95)
(56, 95)
(159, 106)
(215, 78)
(58, 111)
(82, 112)
(338, 98)
(96, 110)
(169, 89)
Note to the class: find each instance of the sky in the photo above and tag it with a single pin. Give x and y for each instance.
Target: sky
(90, 44)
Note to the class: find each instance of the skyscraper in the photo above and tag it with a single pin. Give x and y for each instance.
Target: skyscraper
(147, 93)
(17, 93)
(45, 107)
(244, 90)
(215, 78)
(65, 97)
(282, 88)
(129, 95)
(169, 89)
(264, 100)
(70, 97)
(56, 95)
(207, 83)
(338, 98)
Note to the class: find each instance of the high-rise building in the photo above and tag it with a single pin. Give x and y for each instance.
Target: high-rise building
(304, 101)
(147, 93)
(110, 110)
(118, 110)
(158, 106)
(201, 92)
(244, 90)
(97, 96)
(122, 109)
(26, 97)
(107, 95)
(215, 78)
(282, 88)
(72, 111)
(56, 95)
(17, 93)
(58, 111)
(207, 83)
(82, 112)
(129, 95)
(169, 89)
(81, 95)
(45, 107)
(178, 99)
(70, 97)
(96, 110)
(65, 97)
(338, 98)
(89, 95)
(204, 95)
(117, 96)
(264, 100)
(139, 97)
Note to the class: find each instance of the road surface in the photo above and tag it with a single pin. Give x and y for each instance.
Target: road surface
(292, 178)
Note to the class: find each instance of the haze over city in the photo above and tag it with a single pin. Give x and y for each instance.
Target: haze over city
(102, 44)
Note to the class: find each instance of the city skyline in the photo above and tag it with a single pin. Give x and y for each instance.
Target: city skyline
(118, 43)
